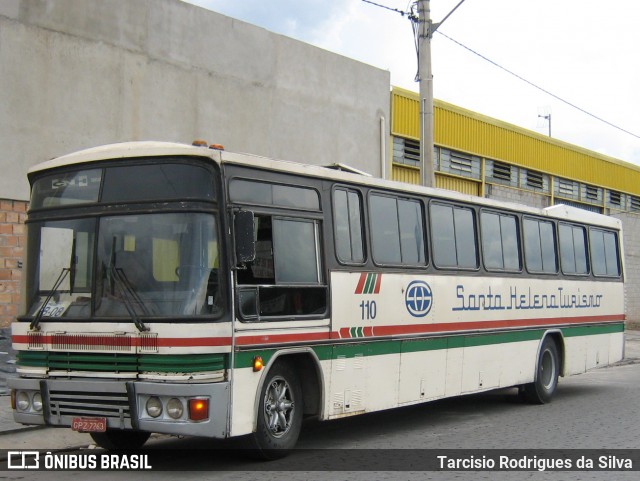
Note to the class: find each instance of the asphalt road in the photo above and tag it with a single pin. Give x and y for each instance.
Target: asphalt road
(598, 410)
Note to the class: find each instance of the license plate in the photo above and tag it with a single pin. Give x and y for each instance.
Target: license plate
(89, 425)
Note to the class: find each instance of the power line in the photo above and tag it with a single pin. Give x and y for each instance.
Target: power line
(557, 97)
(387, 8)
(411, 14)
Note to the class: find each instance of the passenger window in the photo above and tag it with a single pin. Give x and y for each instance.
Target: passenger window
(573, 249)
(347, 214)
(397, 230)
(604, 252)
(285, 278)
(454, 236)
(500, 241)
(540, 246)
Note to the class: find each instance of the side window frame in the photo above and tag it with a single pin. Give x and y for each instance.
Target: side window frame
(616, 237)
(432, 229)
(278, 301)
(421, 263)
(349, 193)
(556, 256)
(518, 244)
(587, 260)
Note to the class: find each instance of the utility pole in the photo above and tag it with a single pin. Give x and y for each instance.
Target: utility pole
(425, 77)
(426, 30)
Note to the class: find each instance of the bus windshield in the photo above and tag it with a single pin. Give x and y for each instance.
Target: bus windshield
(131, 266)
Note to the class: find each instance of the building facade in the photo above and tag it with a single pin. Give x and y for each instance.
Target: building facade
(76, 74)
(482, 156)
(80, 74)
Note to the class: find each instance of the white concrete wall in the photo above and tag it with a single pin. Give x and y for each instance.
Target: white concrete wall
(631, 233)
(78, 73)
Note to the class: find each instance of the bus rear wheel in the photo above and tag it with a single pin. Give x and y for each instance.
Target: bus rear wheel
(120, 440)
(279, 413)
(541, 391)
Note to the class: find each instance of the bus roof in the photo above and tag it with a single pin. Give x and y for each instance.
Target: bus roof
(154, 149)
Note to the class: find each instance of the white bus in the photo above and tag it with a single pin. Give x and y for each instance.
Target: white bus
(191, 291)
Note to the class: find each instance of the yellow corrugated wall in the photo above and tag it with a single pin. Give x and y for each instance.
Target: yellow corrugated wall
(405, 174)
(457, 184)
(460, 129)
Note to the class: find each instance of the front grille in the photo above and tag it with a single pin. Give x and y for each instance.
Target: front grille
(121, 363)
(70, 361)
(102, 404)
(91, 342)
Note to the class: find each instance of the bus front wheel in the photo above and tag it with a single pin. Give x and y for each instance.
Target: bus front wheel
(120, 440)
(279, 413)
(547, 371)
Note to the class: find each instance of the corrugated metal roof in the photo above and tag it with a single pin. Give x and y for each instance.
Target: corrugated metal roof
(467, 131)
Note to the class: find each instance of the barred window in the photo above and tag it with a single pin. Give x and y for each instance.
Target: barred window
(535, 180)
(501, 171)
(615, 198)
(567, 188)
(406, 151)
(591, 193)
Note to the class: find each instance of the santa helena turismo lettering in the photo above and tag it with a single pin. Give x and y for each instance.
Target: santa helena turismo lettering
(558, 298)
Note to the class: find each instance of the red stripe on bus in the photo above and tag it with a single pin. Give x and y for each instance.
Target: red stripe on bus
(466, 326)
(378, 282)
(282, 338)
(369, 331)
(120, 342)
(361, 282)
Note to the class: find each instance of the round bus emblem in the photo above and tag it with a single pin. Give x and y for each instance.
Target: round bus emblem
(418, 298)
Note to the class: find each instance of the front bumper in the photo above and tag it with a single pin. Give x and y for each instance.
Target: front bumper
(123, 404)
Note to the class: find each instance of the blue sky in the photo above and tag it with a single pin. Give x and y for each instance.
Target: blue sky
(583, 51)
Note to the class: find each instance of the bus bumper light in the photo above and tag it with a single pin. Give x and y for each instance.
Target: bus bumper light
(198, 409)
(175, 409)
(25, 401)
(154, 407)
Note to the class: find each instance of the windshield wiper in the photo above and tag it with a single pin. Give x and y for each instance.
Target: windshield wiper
(129, 297)
(35, 324)
(71, 271)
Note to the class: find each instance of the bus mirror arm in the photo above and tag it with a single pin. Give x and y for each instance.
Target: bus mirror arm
(245, 242)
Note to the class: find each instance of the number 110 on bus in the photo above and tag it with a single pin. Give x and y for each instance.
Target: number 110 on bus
(368, 310)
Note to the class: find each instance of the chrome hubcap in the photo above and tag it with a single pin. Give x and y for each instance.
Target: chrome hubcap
(278, 407)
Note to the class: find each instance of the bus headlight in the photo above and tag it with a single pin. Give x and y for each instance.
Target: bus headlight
(154, 407)
(36, 403)
(175, 408)
(23, 403)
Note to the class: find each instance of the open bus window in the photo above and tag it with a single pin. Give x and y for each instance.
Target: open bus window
(285, 278)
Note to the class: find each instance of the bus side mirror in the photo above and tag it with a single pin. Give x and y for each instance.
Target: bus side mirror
(245, 242)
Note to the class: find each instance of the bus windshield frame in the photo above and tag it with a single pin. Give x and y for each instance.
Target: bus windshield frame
(99, 251)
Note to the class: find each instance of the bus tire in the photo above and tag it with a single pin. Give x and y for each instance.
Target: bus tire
(114, 440)
(541, 391)
(280, 413)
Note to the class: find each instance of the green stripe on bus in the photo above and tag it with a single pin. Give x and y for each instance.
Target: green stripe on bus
(592, 330)
(366, 347)
(370, 284)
